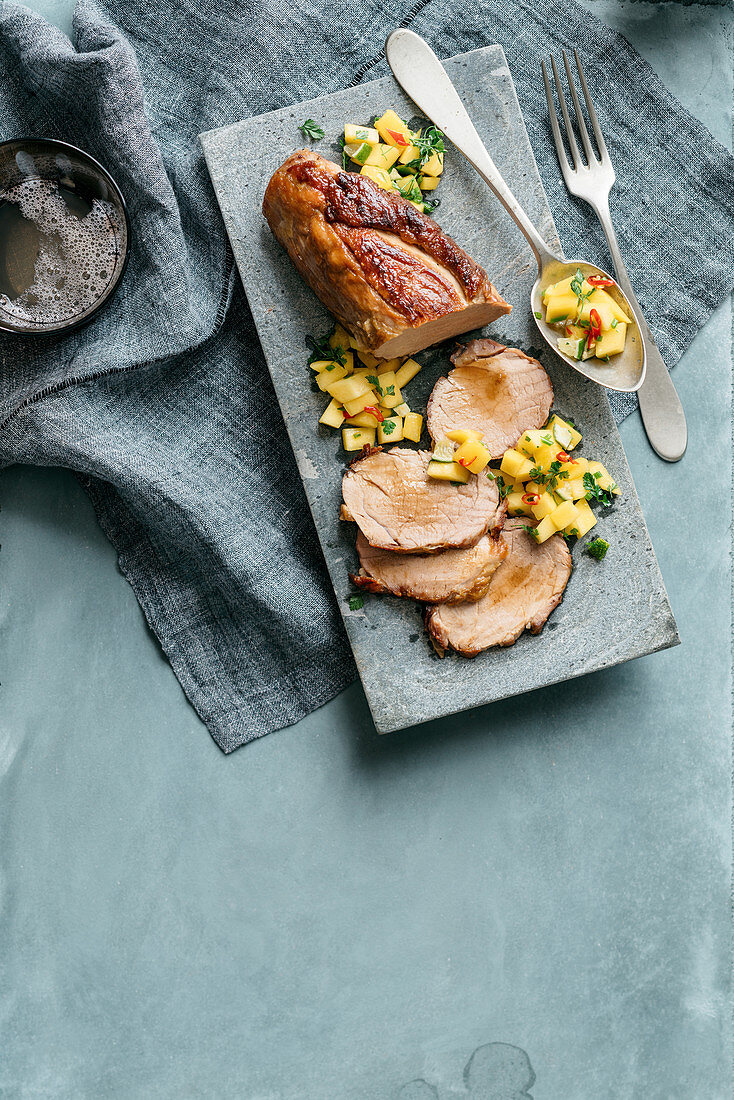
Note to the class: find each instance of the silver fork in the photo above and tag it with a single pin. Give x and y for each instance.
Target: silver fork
(662, 412)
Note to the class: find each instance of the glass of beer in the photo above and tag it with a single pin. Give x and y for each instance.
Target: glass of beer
(64, 236)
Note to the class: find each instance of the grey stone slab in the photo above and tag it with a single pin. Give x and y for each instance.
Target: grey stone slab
(610, 613)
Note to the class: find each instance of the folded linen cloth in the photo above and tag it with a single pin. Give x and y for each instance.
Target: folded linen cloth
(163, 406)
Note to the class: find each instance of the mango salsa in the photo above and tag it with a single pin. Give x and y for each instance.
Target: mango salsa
(591, 322)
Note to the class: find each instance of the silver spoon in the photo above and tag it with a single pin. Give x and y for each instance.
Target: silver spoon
(422, 76)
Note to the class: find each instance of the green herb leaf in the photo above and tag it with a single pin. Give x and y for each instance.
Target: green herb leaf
(532, 531)
(615, 322)
(388, 427)
(595, 492)
(356, 603)
(430, 142)
(311, 129)
(539, 316)
(390, 391)
(597, 548)
(322, 349)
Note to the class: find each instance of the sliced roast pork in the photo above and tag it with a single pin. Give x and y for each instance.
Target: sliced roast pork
(432, 578)
(390, 274)
(494, 389)
(398, 507)
(527, 586)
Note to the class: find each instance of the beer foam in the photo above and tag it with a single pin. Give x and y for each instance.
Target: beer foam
(77, 257)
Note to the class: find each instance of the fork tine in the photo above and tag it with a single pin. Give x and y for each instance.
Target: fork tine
(590, 155)
(601, 144)
(560, 149)
(570, 137)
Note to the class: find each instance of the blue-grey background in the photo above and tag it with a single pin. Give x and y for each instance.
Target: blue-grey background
(326, 914)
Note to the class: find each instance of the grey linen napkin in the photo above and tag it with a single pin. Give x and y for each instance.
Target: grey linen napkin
(163, 406)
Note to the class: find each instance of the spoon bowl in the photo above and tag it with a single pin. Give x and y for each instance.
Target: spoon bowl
(624, 372)
(422, 76)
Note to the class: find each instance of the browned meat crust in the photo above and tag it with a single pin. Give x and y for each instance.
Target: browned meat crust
(494, 389)
(523, 592)
(448, 577)
(390, 274)
(398, 507)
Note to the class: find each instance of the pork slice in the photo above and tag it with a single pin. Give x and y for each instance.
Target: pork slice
(389, 273)
(497, 390)
(447, 577)
(396, 506)
(526, 587)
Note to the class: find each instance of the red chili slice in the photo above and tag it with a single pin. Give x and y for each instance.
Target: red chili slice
(599, 280)
(398, 138)
(375, 412)
(530, 498)
(594, 325)
(563, 456)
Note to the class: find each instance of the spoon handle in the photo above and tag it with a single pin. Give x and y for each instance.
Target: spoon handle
(422, 76)
(660, 407)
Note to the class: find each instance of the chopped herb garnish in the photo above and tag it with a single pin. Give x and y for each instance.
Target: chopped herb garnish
(374, 381)
(430, 204)
(311, 129)
(532, 531)
(536, 474)
(547, 440)
(322, 349)
(594, 491)
(614, 323)
(390, 391)
(356, 603)
(597, 548)
(539, 316)
(430, 142)
(357, 435)
(577, 286)
(388, 427)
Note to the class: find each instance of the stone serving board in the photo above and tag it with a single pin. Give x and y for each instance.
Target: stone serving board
(612, 611)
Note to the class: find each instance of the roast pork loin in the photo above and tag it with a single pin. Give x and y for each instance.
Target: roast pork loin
(522, 593)
(447, 577)
(398, 507)
(388, 273)
(494, 389)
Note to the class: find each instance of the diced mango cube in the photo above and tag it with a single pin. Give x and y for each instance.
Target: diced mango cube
(611, 342)
(347, 389)
(333, 415)
(563, 514)
(565, 436)
(462, 435)
(385, 365)
(583, 522)
(353, 133)
(367, 358)
(334, 372)
(516, 465)
(544, 530)
(546, 504)
(576, 488)
(473, 455)
(412, 152)
(433, 166)
(391, 395)
(378, 175)
(366, 400)
(448, 471)
(393, 130)
(407, 372)
(382, 156)
(559, 307)
(391, 430)
(363, 420)
(516, 506)
(354, 439)
(603, 478)
(428, 183)
(412, 427)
